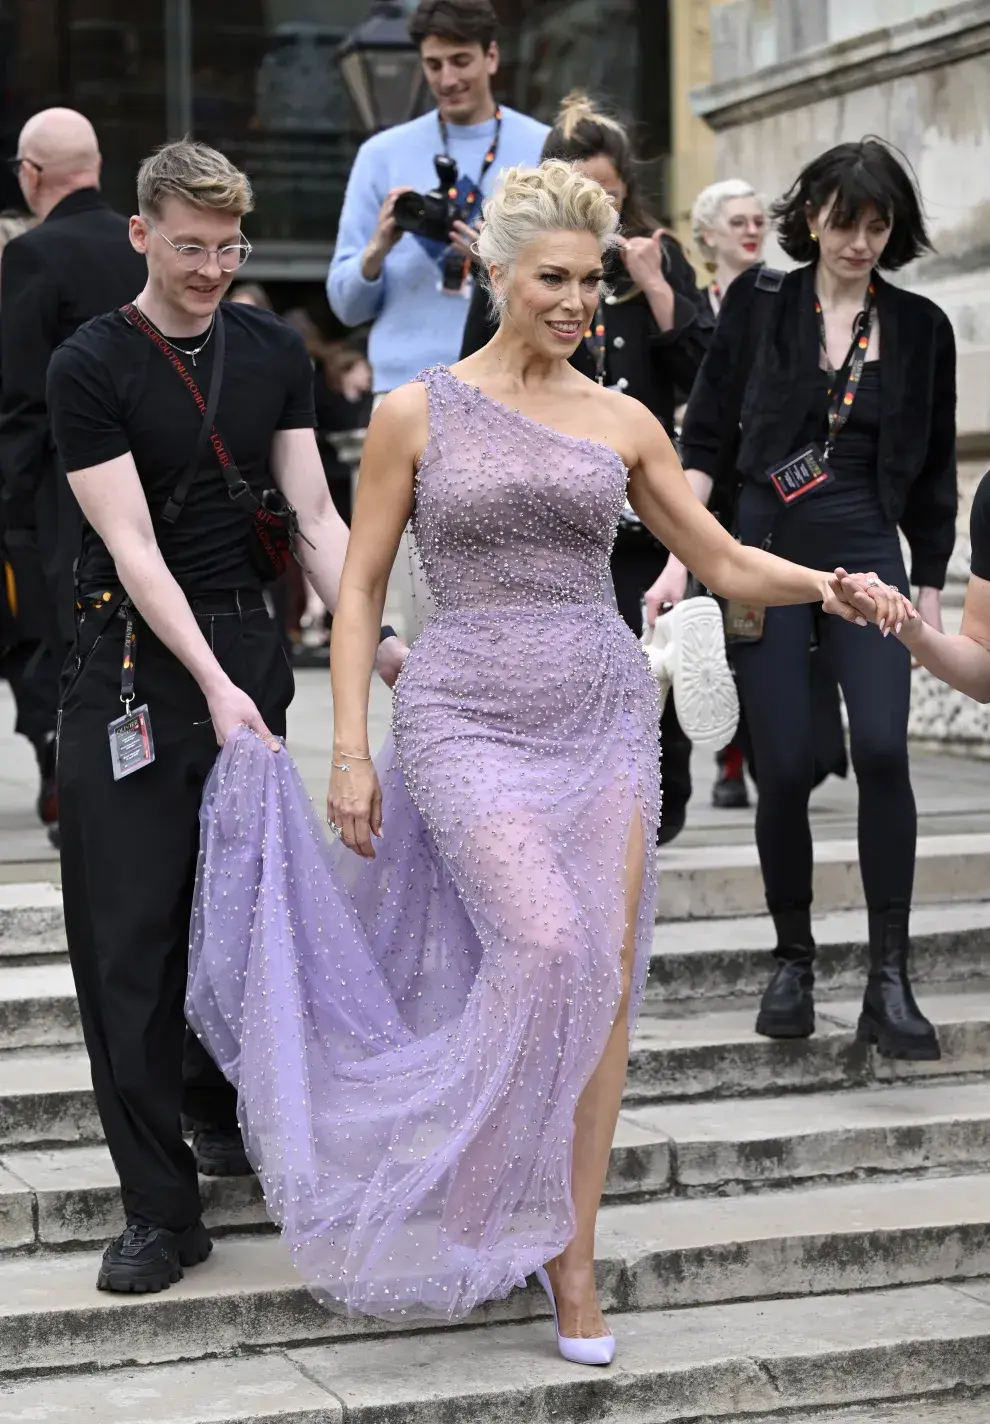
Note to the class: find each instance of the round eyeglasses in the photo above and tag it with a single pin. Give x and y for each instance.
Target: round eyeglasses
(191, 256)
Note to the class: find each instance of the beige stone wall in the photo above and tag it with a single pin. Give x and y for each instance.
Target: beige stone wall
(692, 164)
(934, 106)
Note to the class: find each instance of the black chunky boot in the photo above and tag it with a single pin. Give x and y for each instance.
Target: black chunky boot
(891, 1019)
(787, 1009)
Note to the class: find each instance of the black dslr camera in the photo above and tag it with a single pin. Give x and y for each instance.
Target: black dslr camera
(433, 214)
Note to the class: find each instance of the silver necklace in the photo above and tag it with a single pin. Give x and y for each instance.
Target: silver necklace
(181, 349)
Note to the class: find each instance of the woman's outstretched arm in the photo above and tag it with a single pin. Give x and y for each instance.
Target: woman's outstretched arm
(663, 499)
(963, 660)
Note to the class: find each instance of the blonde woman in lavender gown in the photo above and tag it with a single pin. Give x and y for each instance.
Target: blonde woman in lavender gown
(429, 1019)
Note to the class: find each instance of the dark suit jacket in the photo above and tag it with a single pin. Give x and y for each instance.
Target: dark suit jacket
(916, 467)
(74, 266)
(655, 367)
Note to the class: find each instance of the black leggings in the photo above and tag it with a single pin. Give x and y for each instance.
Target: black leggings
(843, 527)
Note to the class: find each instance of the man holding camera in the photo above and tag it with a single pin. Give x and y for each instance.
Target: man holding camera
(413, 288)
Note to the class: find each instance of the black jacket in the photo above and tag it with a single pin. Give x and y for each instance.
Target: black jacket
(916, 473)
(77, 264)
(655, 367)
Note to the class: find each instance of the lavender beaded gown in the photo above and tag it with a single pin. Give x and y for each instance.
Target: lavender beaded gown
(410, 1036)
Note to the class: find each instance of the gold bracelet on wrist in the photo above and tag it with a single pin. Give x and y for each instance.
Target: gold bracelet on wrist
(346, 758)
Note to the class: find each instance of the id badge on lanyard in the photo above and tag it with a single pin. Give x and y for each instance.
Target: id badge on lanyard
(807, 469)
(132, 746)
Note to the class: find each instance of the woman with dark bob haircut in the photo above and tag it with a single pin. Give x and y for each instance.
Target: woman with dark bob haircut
(828, 401)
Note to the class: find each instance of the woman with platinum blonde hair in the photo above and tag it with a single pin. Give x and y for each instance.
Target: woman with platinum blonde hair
(729, 226)
(430, 1019)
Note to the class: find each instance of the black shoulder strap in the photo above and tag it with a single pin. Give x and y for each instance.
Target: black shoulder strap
(180, 494)
(769, 281)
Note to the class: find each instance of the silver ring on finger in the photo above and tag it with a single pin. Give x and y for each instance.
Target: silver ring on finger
(333, 828)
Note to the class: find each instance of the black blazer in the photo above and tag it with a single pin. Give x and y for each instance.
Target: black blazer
(77, 264)
(655, 367)
(916, 472)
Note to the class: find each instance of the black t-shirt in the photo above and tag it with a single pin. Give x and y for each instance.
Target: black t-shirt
(979, 529)
(111, 391)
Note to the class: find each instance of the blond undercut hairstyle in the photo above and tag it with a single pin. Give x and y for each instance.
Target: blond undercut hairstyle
(195, 174)
(529, 202)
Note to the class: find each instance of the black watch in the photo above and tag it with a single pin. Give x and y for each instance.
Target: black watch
(386, 632)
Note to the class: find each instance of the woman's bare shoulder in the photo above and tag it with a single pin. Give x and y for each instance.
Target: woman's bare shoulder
(402, 419)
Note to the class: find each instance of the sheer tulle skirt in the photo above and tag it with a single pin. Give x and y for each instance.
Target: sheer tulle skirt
(410, 1036)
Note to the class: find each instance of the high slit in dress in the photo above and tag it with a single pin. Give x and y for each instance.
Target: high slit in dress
(410, 1035)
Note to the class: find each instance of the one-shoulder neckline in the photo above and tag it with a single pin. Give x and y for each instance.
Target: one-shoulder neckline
(537, 424)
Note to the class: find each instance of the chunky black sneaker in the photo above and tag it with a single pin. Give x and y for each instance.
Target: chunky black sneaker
(219, 1152)
(147, 1259)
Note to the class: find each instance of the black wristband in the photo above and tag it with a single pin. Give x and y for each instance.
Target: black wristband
(386, 632)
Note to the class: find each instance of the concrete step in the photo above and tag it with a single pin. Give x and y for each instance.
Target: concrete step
(716, 882)
(713, 959)
(693, 959)
(38, 1007)
(917, 1348)
(681, 1054)
(650, 1255)
(705, 882)
(67, 1196)
(31, 923)
(46, 1097)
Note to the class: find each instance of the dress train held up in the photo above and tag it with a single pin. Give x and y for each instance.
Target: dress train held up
(410, 1036)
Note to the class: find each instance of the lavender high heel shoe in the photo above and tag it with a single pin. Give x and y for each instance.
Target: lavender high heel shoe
(598, 1350)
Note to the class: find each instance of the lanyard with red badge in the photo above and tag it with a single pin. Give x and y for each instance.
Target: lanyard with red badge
(131, 743)
(842, 402)
(455, 267)
(808, 468)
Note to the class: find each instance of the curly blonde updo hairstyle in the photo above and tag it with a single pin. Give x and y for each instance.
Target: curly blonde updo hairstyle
(528, 202)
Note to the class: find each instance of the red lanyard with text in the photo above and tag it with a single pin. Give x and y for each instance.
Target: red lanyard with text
(842, 400)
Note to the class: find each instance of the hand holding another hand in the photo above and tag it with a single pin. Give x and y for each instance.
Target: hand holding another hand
(865, 598)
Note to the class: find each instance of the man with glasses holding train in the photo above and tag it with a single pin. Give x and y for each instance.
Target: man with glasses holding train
(186, 429)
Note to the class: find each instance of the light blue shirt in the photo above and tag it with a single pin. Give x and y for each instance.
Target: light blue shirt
(415, 325)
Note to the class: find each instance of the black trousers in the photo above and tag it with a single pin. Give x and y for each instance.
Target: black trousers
(637, 562)
(26, 640)
(839, 525)
(129, 852)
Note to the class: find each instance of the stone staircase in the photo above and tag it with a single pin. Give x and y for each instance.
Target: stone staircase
(792, 1232)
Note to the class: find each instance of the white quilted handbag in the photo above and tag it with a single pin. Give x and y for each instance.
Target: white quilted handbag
(686, 650)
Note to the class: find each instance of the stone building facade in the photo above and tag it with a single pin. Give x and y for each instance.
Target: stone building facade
(785, 79)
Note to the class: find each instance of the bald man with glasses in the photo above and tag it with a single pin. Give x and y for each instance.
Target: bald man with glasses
(77, 263)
